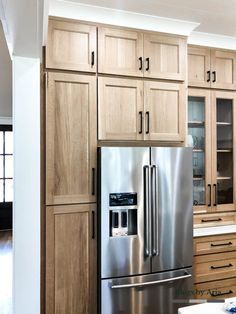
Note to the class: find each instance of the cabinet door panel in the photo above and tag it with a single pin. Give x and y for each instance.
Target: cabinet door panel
(70, 260)
(164, 105)
(70, 139)
(119, 51)
(71, 46)
(166, 57)
(120, 104)
(199, 64)
(223, 63)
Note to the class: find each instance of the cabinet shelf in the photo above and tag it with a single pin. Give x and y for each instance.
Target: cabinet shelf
(200, 178)
(198, 150)
(223, 123)
(224, 178)
(224, 150)
(196, 124)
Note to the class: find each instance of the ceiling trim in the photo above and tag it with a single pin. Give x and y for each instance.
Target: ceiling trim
(212, 40)
(78, 11)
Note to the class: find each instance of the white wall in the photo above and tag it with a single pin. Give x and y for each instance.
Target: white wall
(26, 213)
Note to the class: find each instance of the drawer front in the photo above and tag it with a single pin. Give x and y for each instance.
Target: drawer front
(214, 244)
(211, 220)
(215, 266)
(219, 289)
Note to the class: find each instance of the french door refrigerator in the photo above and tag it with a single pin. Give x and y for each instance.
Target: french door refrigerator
(146, 230)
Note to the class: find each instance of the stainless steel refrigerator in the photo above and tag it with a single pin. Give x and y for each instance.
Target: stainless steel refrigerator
(146, 230)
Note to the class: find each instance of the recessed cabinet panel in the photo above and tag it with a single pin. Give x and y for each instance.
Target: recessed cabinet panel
(71, 46)
(164, 57)
(70, 259)
(120, 52)
(120, 109)
(70, 139)
(164, 105)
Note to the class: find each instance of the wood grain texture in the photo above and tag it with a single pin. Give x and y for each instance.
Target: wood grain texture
(225, 219)
(119, 51)
(119, 104)
(167, 57)
(70, 260)
(70, 138)
(166, 104)
(70, 46)
(199, 62)
(6, 272)
(218, 289)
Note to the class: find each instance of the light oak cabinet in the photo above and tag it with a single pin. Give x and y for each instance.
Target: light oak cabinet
(132, 53)
(136, 110)
(71, 259)
(71, 46)
(215, 266)
(212, 127)
(71, 139)
(208, 67)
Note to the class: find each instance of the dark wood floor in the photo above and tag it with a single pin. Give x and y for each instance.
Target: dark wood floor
(5, 272)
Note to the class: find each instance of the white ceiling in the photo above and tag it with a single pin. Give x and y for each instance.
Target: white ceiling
(214, 16)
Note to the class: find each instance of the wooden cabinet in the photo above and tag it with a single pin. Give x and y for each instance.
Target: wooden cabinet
(135, 110)
(132, 53)
(211, 126)
(71, 46)
(71, 139)
(208, 67)
(71, 259)
(215, 266)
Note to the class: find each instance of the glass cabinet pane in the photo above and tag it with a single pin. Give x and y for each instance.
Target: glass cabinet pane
(224, 138)
(196, 131)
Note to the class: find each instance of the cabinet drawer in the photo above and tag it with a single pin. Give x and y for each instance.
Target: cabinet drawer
(214, 244)
(219, 289)
(211, 220)
(215, 266)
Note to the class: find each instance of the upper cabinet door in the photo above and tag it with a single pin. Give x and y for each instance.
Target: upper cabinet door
(70, 139)
(165, 111)
(223, 67)
(120, 52)
(165, 57)
(199, 67)
(71, 46)
(120, 109)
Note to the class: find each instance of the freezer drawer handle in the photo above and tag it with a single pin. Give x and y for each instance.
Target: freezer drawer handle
(150, 283)
(223, 266)
(216, 293)
(221, 244)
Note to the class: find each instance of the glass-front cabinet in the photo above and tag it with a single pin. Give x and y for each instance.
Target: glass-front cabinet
(211, 134)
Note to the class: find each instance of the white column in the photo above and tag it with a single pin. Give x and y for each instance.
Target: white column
(26, 212)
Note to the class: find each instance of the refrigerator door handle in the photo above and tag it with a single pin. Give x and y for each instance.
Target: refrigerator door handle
(147, 233)
(150, 283)
(154, 200)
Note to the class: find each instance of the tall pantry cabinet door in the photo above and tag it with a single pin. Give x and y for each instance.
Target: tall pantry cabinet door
(120, 52)
(165, 110)
(120, 109)
(71, 46)
(223, 65)
(70, 139)
(165, 57)
(71, 259)
(199, 66)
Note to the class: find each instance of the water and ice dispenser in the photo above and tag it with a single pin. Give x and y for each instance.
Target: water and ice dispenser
(123, 214)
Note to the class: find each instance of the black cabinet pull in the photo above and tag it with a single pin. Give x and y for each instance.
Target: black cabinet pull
(208, 76)
(218, 293)
(214, 76)
(148, 64)
(211, 220)
(141, 122)
(223, 266)
(221, 244)
(147, 121)
(93, 181)
(209, 185)
(93, 224)
(92, 58)
(140, 63)
(215, 188)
